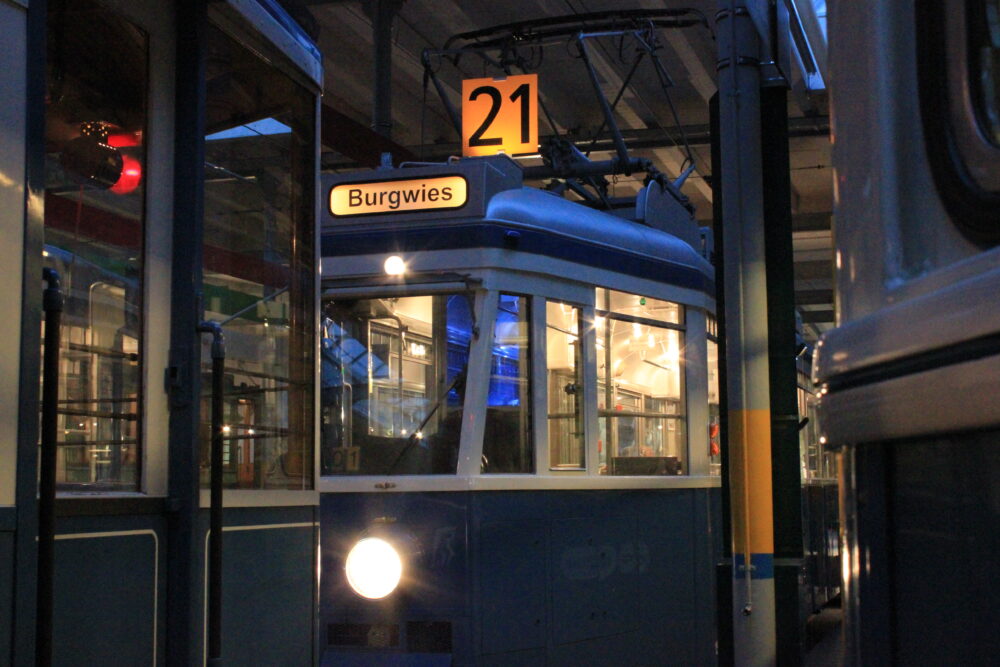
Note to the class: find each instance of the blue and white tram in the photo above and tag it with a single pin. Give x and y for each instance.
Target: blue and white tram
(515, 426)
(909, 377)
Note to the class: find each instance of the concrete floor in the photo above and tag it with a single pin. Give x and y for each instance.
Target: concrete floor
(828, 627)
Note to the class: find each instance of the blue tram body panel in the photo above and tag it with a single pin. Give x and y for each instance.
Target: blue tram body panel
(527, 577)
(119, 565)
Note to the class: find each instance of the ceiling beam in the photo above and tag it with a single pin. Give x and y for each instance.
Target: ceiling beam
(813, 297)
(816, 316)
(653, 138)
(814, 270)
(811, 222)
(358, 142)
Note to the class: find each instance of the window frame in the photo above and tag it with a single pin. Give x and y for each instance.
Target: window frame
(588, 396)
(487, 283)
(253, 28)
(962, 159)
(530, 315)
(683, 371)
(479, 351)
(335, 294)
(152, 413)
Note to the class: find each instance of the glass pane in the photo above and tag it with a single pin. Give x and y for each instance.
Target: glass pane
(259, 267)
(507, 445)
(565, 385)
(714, 435)
(985, 63)
(640, 307)
(640, 396)
(377, 420)
(94, 200)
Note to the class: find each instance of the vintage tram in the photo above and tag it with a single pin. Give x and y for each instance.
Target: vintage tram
(516, 464)
(161, 158)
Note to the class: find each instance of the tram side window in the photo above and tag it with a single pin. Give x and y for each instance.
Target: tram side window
(565, 386)
(507, 446)
(393, 384)
(259, 266)
(985, 64)
(817, 461)
(95, 123)
(714, 410)
(640, 385)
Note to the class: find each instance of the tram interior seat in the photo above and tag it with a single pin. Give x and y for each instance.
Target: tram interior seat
(645, 465)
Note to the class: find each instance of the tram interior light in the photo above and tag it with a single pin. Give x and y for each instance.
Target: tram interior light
(373, 568)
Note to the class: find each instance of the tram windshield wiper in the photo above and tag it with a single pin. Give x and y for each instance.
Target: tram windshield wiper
(457, 384)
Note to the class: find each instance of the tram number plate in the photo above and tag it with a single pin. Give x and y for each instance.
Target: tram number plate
(500, 115)
(346, 459)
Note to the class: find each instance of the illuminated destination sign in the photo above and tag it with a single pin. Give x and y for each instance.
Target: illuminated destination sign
(397, 196)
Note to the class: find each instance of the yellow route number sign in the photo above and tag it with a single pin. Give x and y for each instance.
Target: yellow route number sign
(500, 115)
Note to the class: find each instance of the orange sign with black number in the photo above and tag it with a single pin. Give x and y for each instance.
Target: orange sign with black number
(500, 115)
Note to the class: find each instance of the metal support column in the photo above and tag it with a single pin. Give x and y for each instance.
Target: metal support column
(184, 578)
(723, 570)
(783, 374)
(22, 625)
(382, 13)
(747, 392)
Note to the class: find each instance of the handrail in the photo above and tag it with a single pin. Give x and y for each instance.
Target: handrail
(52, 305)
(215, 512)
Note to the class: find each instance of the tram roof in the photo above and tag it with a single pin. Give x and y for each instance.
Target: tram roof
(502, 213)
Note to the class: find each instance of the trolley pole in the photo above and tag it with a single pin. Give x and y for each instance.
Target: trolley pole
(746, 337)
(215, 511)
(52, 304)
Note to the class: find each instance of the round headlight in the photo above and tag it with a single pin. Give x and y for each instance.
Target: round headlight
(394, 265)
(373, 568)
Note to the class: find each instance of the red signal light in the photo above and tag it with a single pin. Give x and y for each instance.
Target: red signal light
(130, 177)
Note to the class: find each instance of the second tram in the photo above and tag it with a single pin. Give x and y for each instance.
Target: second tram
(909, 378)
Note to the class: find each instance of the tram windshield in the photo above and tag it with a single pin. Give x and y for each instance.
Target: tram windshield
(393, 384)
(507, 441)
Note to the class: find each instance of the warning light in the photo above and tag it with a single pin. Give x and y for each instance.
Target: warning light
(96, 157)
(130, 178)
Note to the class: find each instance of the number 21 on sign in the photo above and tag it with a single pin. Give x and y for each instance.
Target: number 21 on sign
(500, 115)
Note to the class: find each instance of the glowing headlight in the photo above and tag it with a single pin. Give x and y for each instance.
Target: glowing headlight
(394, 265)
(373, 568)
